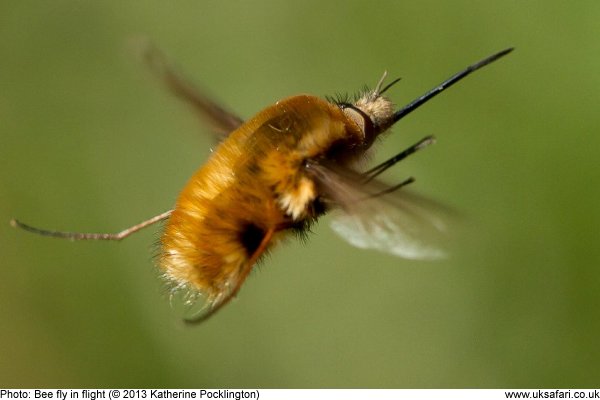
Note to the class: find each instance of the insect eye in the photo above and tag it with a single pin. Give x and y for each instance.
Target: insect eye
(361, 119)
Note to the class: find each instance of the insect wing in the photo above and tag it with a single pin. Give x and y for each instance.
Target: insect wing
(221, 121)
(398, 223)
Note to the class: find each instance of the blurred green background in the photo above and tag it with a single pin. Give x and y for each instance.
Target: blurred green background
(90, 142)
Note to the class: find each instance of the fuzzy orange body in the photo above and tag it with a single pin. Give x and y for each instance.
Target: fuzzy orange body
(277, 173)
(252, 184)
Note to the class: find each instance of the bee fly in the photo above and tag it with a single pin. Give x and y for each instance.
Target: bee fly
(276, 174)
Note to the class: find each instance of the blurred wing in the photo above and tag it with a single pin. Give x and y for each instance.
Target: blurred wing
(399, 223)
(221, 121)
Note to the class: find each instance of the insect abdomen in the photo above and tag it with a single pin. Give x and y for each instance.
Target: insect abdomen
(254, 183)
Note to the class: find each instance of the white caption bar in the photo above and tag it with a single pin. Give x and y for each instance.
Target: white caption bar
(297, 394)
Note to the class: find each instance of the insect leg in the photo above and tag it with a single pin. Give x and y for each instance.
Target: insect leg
(92, 236)
(393, 188)
(243, 275)
(378, 169)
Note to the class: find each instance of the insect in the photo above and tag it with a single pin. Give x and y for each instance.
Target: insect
(275, 175)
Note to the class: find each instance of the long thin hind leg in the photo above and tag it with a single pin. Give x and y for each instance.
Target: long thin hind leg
(262, 247)
(92, 236)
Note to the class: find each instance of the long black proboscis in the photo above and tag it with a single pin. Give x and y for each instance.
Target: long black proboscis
(446, 84)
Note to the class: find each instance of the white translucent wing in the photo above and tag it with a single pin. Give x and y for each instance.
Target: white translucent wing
(399, 223)
(390, 229)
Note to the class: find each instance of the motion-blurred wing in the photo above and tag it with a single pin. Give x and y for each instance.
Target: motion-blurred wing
(220, 120)
(399, 223)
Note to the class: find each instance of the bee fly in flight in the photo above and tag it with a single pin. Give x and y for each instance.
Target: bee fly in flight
(276, 174)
